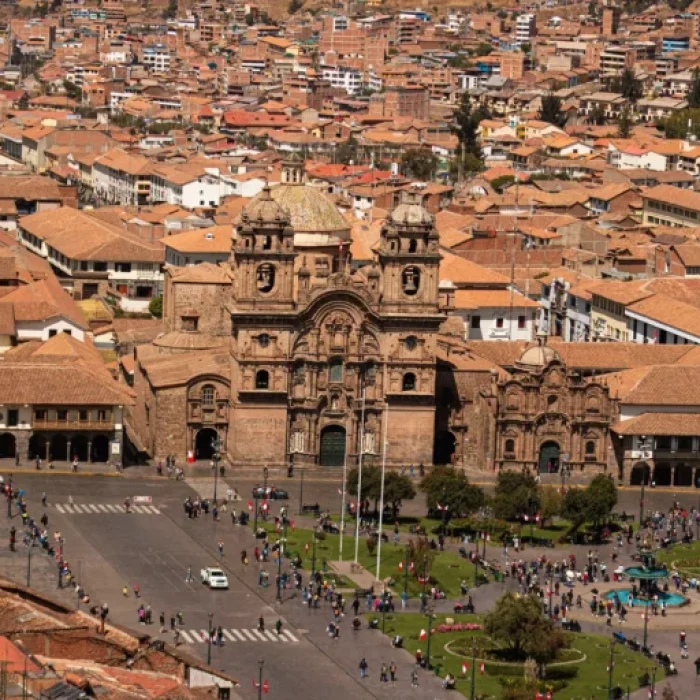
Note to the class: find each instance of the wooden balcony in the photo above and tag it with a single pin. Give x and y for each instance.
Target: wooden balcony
(103, 425)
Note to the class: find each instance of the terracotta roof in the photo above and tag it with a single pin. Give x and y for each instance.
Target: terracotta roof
(174, 370)
(657, 385)
(33, 187)
(80, 236)
(659, 424)
(467, 273)
(204, 273)
(674, 195)
(674, 313)
(7, 320)
(489, 298)
(216, 239)
(689, 254)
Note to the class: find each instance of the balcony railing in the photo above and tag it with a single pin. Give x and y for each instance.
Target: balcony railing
(46, 424)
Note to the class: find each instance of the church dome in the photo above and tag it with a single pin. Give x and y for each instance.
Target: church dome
(537, 356)
(411, 214)
(309, 212)
(264, 209)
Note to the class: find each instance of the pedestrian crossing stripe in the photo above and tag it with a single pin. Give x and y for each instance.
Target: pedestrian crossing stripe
(102, 508)
(234, 635)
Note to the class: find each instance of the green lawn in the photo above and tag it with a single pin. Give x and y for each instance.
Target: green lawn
(449, 569)
(589, 655)
(684, 557)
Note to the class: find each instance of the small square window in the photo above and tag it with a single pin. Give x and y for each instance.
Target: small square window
(499, 322)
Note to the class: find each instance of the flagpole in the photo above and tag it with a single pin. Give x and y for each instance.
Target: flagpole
(471, 694)
(342, 504)
(359, 476)
(381, 494)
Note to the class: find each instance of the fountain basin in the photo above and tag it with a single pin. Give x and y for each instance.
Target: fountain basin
(672, 600)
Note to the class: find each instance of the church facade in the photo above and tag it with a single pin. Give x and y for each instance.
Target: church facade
(287, 354)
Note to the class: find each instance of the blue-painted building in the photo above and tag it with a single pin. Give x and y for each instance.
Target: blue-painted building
(670, 44)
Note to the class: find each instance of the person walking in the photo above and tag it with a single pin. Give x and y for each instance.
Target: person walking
(43, 499)
(188, 576)
(383, 674)
(162, 622)
(261, 624)
(278, 626)
(221, 548)
(414, 679)
(172, 622)
(363, 668)
(392, 671)
(219, 636)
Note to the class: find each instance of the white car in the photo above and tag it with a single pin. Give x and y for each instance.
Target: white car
(214, 578)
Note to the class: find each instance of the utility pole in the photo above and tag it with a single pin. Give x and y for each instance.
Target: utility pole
(405, 571)
(611, 664)
(211, 615)
(430, 616)
(261, 663)
(29, 561)
(216, 445)
(358, 508)
(646, 622)
(313, 555)
(381, 497)
(301, 491)
(473, 683)
(653, 683)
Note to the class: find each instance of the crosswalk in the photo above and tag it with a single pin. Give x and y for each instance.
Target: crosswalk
(102, 509)
(239, 635)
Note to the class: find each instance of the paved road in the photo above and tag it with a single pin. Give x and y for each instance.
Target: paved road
(108, 549)
(153, 548)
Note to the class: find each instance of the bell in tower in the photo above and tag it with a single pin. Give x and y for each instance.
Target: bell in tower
(410, 258)
(293, 170)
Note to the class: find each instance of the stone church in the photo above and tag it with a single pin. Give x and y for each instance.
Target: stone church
(290, 355)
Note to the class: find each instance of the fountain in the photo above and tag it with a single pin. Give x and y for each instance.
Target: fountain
(648, 574)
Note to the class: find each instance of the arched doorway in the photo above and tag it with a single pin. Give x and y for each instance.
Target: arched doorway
(37, 447)
(683, 475)
(8, 445)
(662, 475)
(59, 448)
(332, 446)
(640, 474)
(79, 448)
(445, 445)
(100, 448)
(203, 446)
(549, 457)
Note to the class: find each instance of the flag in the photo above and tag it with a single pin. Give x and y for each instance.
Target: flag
(400, 566)
(482, 668)
(537, 518)
(423, 634)
(465, 668)
(250, 505)
(266, 687)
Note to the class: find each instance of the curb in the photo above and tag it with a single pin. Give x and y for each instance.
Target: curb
(62, 472)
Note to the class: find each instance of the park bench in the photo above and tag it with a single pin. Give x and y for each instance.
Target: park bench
(311, 508)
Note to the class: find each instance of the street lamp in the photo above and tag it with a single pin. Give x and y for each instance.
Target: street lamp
(425, 579)
(551, 582)
(405, 571)
(313, 555)
(265, 474)
(646, 623)
(643, 449)
(611, 665)
(261, 663)
(211, 615)
(280, 552)
(216, 446)
(301, 491)
(29, 560)
(430, 615)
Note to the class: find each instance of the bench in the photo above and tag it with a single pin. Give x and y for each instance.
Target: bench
(311, 508)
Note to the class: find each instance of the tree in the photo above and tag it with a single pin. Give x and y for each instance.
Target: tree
(624, 123)
(397, 489)
(465, 126)
(693, 97)
(500, 183)
(526, 47)
(627, 85)
(597, 115)
(518, 623)
(575, 506)
(170, 11)
(370, 483)
(447, 487)
(602, 498)
(419, 163)
(681, 124)
(294, 6)
(550, 503)
(592, 9)
(348, 152)
(72, 90)
(516, 493)
(550, 111)
(483, 49)
(155, 307)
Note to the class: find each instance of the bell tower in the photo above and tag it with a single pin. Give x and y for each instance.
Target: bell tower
(409, 258)
(293, 170)
(263, 256)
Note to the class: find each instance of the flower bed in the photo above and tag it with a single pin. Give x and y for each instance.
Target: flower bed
(459, 627)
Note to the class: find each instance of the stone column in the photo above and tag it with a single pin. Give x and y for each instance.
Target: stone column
(89, 455)
(48, 450)
(69, 456)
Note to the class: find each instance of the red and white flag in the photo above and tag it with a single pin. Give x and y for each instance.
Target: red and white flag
(482, 668)
(250, 505)
(465, 668)
(423, 634)
(441, 508)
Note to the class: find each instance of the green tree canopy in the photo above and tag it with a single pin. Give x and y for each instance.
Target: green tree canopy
(602, 498)
(155, 307)
(676, 126)
(575, 506)
(516, 493)
(484, 49)
(693, 97)
(550, 503)
(550, 111)
(294, 6)
(447, 487)
(518, 623)
(627, 85)
(397, 487)
(624, 123)
(348, 152)
(420, 163)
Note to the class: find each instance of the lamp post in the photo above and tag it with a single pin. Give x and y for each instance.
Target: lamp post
(611, 665)
(280, 554)
(551, 581)
(216, 446)
(9, 505)
(313, 554)
(430, 615)
(473, 683)
(384, 612)
(301, 491)
(652, 692)
(261, 663)
(646, 623)
(425, 577)
(29, 560)
(255, 517)
(211, 615)
(643, 448)
(265, 474)
(405, 571)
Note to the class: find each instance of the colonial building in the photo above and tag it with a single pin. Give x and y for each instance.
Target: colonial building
(283, 352)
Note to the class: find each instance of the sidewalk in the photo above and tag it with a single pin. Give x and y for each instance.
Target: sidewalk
(8, 467)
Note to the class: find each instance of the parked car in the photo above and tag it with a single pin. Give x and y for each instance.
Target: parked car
(271, 492)
(214, 578)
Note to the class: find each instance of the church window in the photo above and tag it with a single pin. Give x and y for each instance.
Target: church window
(208, 394)
(590, 447)
(411, 342)
(593, 404)
(412, 245)
(409, 382)
(263, 340)
(189, 323)
(265, 277)
(509, 447)
(267, 243)
(335, 370)
(262, 379)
